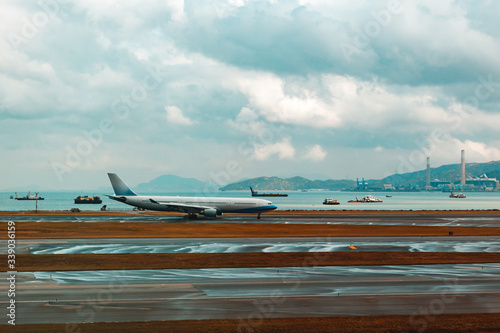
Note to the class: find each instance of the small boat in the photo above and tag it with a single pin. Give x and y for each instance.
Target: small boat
(330, 201)
(368, 198)
(29, 196)
(87, 200)
(388, 196)
(460, 195)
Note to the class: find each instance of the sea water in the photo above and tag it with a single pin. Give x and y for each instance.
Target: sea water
(311, 200)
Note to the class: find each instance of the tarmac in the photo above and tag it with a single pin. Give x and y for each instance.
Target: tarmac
(95, 296)
(417, 218)
(253, 294)
(257, 244)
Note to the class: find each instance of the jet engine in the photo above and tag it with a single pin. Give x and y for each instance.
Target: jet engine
(211, 212)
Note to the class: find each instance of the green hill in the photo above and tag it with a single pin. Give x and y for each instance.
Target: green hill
(450, 172)
(288, 184)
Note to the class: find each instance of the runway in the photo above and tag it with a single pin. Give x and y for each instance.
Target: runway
(423, 220)
(245, 245)
(249, 294)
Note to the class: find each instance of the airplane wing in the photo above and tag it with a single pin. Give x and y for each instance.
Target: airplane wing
(190, 209)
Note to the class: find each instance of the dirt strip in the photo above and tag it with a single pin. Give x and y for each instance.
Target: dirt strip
(469, 322)
(35, 230)
(72, 262)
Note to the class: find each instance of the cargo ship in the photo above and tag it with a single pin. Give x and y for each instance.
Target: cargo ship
(257, 194)
(87, 200)
(29, 196)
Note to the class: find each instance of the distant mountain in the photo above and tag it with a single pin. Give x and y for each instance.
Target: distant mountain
(170, 183)
(450, 172)
(288, 184)
(310, 175)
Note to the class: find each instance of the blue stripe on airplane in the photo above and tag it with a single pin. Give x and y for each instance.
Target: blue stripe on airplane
(253, 209)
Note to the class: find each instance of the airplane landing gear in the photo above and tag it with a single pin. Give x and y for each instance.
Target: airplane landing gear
(258, 216)
(190, 217)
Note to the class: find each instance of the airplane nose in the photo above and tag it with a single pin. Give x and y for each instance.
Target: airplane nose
(273, 206)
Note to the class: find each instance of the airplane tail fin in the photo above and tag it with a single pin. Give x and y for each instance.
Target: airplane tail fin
(119, 186)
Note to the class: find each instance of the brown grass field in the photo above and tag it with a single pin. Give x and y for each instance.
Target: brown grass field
(481, 322)
(450, 323)
(72, 262)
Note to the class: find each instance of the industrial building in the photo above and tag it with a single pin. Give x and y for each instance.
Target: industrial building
(481, 183)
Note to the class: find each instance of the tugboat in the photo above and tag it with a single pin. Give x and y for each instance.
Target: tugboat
(330, 201)
(368, 198)
(86, 200)
(460, 195)
(29, 196)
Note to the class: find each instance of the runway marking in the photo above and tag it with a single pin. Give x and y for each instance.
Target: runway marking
(195, 284)
(252, 297)
(478, 268)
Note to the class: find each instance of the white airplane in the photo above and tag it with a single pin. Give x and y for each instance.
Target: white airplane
(208, 206)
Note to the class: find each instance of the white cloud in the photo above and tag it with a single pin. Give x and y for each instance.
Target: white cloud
(266, 94)
(247, 121)
(335, 101)
(175, 116)
(445, 150)
(475, 151)
(315, 153)
(283, 149)
(290, 85)
(246, 115)
(131, 14)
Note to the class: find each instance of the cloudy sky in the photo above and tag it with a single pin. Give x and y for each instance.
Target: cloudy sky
(224, 90)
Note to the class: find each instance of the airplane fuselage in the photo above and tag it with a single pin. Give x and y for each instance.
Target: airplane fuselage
(222, 205)
(210, 207)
